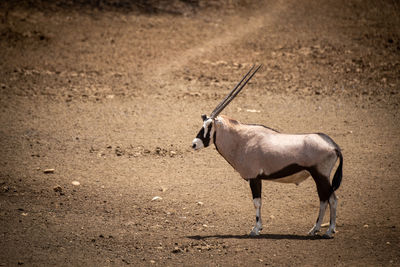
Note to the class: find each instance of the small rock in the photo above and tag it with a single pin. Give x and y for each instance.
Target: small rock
(57, 189)
(200, 203)
(152, 261)
(325, 225)
(76, 183)
(156, 198)
(5, 188)
(49, 170)
(253, 111)
(272, 217)
(366, 225)
(118, 151)
(196, 94)
(176, 250)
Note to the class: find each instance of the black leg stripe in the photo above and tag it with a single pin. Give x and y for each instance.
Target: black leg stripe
(255, 185)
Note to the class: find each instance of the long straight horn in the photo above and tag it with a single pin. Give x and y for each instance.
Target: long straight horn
(230, 94)
(234, 92)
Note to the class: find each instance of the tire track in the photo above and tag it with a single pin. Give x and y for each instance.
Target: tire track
(237, 30)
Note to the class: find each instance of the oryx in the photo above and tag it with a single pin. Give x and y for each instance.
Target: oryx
(260, 153)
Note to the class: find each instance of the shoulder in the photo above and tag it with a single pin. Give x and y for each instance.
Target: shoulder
(222, 119)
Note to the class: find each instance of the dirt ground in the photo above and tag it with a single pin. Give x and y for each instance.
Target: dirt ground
(110, 97)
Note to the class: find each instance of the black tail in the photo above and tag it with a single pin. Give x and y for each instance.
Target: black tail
(337, 178)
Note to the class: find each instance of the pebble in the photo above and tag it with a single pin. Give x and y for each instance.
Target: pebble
(57, 189)
(156, 198)
(176, 250)
(253, 111)
(49, 171)
(76, 183)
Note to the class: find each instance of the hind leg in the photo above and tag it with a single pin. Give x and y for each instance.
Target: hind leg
(317, 226)
(325, 190)
(332, 222)
(255, 185)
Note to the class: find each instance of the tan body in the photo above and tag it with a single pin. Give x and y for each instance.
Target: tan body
(253, 150)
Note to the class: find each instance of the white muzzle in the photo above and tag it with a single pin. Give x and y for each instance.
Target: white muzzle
(197, 144)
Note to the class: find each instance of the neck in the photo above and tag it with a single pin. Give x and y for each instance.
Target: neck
(226, 139)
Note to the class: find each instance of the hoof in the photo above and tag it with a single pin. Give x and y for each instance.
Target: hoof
(327, 236)
(255, 232)
(313, 232)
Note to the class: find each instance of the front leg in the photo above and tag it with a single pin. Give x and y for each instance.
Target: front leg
(255, 185)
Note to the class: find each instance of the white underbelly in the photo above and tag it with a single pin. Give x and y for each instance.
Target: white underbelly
(296, 178)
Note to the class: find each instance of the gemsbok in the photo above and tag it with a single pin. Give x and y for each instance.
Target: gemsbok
(259, 153)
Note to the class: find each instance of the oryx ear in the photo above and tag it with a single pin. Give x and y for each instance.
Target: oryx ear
(204, 117)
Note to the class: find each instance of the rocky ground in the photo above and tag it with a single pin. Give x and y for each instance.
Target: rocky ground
(100, 100)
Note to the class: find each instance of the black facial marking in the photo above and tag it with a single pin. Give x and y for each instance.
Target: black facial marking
(206, 140)
(200, 135)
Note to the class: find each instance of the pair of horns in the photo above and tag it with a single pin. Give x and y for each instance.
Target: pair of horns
(235, 91)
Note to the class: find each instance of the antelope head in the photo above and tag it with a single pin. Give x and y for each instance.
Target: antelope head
(206, 133)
